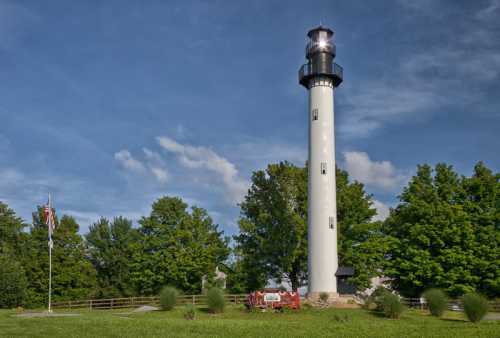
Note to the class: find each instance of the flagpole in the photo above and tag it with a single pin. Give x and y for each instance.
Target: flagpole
(50, 255)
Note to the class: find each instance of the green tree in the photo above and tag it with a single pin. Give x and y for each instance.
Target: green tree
(110, 246)
(176, 247)
(11, 228)
(273, 227)
(273, 224)
(13, 280)
(481, 201)
(445, 233)
(73, 276)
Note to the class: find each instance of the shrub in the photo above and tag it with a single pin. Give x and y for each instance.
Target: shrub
(391, 306)
(168, 298)
(436, 300)
(323, 296)
(475, 307)
(374, 301)
(215, 299)
(190, 312)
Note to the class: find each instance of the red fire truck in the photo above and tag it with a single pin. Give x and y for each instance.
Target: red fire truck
(273, 299)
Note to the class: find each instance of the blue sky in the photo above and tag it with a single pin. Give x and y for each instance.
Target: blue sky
(110, 105)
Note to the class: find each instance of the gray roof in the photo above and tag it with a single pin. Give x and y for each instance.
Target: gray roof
(345, 271)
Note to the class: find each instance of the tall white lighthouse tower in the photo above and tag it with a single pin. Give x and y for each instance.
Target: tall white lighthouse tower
(320, 75)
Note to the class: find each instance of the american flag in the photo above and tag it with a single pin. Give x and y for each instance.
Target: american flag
(48, 213)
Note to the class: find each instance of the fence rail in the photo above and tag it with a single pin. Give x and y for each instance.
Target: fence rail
(454, 304)
(131, 302)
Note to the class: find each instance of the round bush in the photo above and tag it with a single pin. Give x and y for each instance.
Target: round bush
(436, 300)
(391, 306)
(475, 307)
(190, 312)
(215, 300)
(323, 296)
(374, 301)
(168, 298)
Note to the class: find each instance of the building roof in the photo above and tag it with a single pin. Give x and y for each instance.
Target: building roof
(345, 271)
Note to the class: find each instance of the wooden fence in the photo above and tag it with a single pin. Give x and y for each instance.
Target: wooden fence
(454, 304)
(132, 302)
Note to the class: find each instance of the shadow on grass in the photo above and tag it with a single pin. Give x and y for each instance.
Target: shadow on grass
(376, 313)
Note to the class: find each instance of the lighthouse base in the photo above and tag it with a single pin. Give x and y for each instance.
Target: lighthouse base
(315, 296)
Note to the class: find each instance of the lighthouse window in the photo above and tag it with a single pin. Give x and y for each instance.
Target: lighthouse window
(331, 221)
(323, 168)
(315, 114)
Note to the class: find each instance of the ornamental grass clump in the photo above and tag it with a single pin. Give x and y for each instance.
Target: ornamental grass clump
(215, 300)
(190, 312)
(436, 301)
(392, 306)
(475, 307)
(168, 298)
(323, 297)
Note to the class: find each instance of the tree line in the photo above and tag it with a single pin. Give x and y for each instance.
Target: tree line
(443, 233)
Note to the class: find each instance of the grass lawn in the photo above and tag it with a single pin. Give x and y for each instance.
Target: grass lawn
(235, 322)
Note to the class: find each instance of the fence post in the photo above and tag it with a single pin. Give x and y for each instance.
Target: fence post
(194, 300)
(90, 305)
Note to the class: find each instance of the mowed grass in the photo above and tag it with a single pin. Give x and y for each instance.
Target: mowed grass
(236, 322)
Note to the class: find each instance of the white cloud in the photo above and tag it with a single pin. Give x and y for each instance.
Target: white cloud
(152, 156)
(381, 174)
(160, 174)
(382, 211)
(154, 164)
(204, 158)
(128, 162)
(423, 82)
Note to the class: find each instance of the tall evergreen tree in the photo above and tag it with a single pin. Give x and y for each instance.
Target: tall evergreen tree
(110, 249)
(176, 247)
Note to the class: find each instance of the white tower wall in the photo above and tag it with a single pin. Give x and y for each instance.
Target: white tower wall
(322, 212)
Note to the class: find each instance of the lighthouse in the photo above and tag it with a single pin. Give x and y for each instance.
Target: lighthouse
(321, 76)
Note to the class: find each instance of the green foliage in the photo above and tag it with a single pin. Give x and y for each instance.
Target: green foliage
(215, 300)
(392, 306)
(436, 301)
(375, 300)
(110, 246)
(475, 307)
(176, 247)
(276, 204)
(190, 312)
(323, 296)
(11, 228)
(168, 298)
(444, 233)
(13, 281)
(73, 276)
